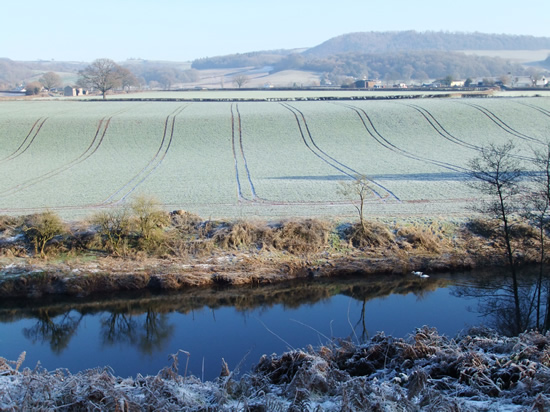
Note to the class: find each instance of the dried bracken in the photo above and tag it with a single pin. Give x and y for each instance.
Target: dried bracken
(478, 371)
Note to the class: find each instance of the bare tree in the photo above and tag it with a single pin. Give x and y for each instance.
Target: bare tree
(102, 74)
(537, 211)
(50, 80)
(358, 190)
(127, 78)
(240, 80)
(496, 174)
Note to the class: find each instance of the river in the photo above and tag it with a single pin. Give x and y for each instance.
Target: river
(135, 333)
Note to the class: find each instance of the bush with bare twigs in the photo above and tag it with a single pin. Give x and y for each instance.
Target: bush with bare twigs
(41, 228)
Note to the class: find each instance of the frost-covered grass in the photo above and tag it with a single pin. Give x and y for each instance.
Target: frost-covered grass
(288, 158)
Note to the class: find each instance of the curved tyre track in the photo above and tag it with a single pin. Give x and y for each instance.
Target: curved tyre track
(325, 157)
(124, 191)
(28, 141)
(500, 123)
(537, 108)
(90, 150)
(438, 127)
(381, 140)
(239, 154)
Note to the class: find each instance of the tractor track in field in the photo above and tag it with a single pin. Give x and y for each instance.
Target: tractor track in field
(168, 134)
(535, 107)
(236, 120)
(325, 157)
(500, 123)
(438, 127)
(28, 141)
(90, 150)
(381, 140)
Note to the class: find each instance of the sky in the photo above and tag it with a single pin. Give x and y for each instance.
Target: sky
(184, 30)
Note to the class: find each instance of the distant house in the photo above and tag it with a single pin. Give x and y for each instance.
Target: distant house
(527, 81)
(457, 83)
(74, 91)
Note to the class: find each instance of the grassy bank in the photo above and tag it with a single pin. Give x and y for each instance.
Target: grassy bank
(142, 247)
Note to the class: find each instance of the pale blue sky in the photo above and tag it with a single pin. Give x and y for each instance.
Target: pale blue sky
(183, 30)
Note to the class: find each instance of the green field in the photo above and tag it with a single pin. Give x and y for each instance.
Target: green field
(254, 159)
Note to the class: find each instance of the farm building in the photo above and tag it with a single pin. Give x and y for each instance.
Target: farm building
(74, 91)
(367, 84)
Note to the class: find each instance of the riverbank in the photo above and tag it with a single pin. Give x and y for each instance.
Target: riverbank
(182, 251)
(477, 371)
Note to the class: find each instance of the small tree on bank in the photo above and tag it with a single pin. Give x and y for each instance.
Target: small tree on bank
(358, 190)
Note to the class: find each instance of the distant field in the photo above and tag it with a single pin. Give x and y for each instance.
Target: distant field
(254, 159)
(520, 56)
(268, 94)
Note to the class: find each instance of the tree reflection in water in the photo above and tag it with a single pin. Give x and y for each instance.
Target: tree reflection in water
(147, 332)
(509, 307)
(57, 331)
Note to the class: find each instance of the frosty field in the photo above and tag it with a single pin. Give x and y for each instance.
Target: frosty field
(255, 159)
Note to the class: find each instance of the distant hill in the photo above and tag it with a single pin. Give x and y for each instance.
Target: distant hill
(398, 41)
(406, 55)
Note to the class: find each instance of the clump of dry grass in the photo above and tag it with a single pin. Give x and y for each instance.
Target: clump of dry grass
(369, 235)
(302, 237)
(9, 224)
(487, 228)
(419, 237)
(185, 222)
(244, 235)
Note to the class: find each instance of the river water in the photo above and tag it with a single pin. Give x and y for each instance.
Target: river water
(136, 333)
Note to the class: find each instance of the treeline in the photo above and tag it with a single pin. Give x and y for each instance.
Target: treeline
(396, 41)
(154, 74)
(256, 59)
(161, 74)
(418, 65)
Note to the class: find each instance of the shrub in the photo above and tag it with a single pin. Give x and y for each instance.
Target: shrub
(150, 217)
(40, 228)
(33, 88)
(113, 230)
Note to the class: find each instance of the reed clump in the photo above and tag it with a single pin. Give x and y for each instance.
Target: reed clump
(420, 238)
(369, 235)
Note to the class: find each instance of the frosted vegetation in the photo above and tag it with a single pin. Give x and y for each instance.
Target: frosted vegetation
(479, 371)
(265, 159)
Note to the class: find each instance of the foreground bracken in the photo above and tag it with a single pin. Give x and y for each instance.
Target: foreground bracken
(479, 370)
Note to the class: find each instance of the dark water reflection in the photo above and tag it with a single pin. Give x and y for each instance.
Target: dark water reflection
(136, 333)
